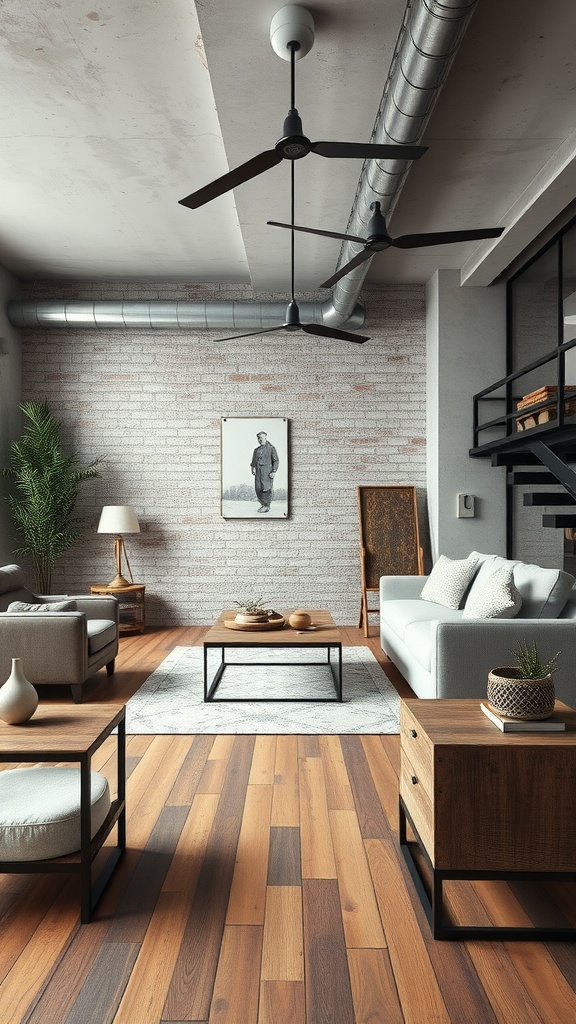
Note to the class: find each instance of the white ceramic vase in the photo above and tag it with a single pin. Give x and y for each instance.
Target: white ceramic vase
(18, 698)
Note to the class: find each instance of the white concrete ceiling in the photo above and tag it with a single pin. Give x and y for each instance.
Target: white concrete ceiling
(111, 113)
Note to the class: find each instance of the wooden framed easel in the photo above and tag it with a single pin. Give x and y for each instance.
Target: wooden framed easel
(389, 539)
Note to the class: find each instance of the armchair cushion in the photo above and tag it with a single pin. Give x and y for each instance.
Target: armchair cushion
(101, 632)
(46, 606)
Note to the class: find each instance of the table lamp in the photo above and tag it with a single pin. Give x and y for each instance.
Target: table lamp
(119, 519)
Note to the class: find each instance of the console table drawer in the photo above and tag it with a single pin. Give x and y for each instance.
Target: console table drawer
(418, 804)
(416, 746)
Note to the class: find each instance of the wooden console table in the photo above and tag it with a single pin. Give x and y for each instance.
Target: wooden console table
(484, 804)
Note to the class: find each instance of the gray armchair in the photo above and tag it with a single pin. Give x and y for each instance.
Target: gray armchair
(56, 646)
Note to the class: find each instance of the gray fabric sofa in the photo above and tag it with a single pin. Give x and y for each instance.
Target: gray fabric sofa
(56, 647)
(442, 654)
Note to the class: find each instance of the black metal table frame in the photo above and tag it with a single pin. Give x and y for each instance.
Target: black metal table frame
(334, 666)
(90, 892)
(433, 903)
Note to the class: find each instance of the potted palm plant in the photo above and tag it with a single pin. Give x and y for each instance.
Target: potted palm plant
(525, 690)
(46, 488)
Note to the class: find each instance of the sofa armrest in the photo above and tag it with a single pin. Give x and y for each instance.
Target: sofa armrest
(401, 588)
(53, 648)
(464, 652)
(98, 607)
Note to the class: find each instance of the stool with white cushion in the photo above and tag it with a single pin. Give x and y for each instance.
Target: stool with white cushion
(40, 812)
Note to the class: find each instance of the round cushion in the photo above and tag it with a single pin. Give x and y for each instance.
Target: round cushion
(40, 811)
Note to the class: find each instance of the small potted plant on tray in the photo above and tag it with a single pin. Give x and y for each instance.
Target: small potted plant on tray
(525, 690)
(251, 611)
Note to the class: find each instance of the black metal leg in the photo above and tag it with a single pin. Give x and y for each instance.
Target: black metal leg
(434, 905)
(121, 781)
(85, 841)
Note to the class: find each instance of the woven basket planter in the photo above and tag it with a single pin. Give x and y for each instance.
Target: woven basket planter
(515, 697)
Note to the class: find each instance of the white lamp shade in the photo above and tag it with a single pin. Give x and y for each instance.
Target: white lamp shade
(118, 519)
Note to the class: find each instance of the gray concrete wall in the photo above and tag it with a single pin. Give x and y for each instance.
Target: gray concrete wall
(466, 332)
(10, 395)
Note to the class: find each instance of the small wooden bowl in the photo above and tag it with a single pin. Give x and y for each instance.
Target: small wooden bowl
(300, 619)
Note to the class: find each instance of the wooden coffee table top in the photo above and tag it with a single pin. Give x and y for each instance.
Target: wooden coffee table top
(326, 632)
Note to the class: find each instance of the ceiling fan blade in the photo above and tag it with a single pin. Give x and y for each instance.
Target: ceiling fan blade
(257, 165)
(442, 237)
(368, 150)
(332, 332)
(360, 258)
(252, 334)
(316, 231)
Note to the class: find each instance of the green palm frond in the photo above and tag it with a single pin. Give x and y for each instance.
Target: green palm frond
(46, 483)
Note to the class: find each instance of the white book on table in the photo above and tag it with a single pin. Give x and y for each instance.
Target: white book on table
(522, 725)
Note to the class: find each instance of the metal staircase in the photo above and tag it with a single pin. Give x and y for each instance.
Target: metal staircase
(543, 451)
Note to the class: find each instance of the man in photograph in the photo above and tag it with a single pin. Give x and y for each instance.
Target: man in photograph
(264, 465)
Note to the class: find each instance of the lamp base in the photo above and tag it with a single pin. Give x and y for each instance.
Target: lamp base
(119, 583)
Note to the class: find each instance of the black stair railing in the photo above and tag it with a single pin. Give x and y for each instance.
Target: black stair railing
(509, 417)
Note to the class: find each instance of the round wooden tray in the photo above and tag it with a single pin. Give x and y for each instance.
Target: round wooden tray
(252, 627)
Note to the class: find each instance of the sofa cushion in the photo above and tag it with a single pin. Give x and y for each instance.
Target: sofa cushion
(46, 606)
(544, 592)
(497, 598)
(101, 632)
(401, 614)
(417, 639)
(449, 581)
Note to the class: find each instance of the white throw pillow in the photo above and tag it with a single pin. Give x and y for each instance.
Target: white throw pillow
(449, 580)
(497, 598)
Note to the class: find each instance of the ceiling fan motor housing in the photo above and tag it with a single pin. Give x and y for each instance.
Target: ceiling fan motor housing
(292, 24)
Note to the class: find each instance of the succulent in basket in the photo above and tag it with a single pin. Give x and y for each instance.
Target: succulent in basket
(525, 690)
(251, 611)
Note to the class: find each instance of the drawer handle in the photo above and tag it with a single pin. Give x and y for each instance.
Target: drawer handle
(413, 733)
(414, 780)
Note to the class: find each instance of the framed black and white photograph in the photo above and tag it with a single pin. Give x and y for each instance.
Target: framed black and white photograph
(254, 462)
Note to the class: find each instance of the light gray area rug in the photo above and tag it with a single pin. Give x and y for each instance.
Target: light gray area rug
(171, 699)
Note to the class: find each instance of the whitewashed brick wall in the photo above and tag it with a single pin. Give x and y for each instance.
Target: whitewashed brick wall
(150, 404)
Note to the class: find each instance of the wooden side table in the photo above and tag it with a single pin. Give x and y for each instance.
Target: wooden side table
(483, 804)
(131, 601)
(57, 733)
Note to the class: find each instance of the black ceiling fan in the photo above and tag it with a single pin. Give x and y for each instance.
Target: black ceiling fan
(292, 322)
(378, 239)
(294, 145)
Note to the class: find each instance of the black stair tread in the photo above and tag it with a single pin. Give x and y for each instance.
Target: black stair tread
(526, 458)
(558, 521)
(532, 477)
(549, 498)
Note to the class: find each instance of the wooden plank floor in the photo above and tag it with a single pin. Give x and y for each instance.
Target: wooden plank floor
(263, 885)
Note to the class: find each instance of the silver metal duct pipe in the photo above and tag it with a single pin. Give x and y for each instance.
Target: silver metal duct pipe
(427, 44)
(428, 41)
(166, 315)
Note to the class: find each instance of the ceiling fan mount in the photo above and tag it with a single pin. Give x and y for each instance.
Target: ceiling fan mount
(292, 27)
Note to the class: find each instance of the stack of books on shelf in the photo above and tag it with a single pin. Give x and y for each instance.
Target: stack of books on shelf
(553, 724)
